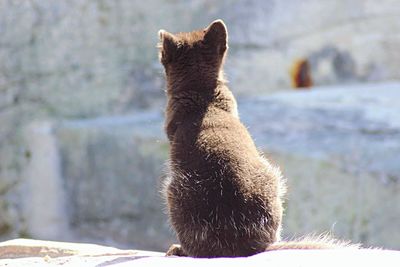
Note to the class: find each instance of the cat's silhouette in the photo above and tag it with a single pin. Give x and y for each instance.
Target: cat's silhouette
(223, 197)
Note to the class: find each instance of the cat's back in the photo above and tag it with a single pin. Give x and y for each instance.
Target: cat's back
(216, 133)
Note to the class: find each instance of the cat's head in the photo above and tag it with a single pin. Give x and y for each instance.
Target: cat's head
(201, 51)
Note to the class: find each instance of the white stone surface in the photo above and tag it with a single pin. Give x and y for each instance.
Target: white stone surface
(93, 255)
(45, 197)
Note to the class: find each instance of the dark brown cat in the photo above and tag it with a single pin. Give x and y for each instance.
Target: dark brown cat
(224, 198)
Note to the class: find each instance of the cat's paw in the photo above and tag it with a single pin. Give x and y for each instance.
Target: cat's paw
(175, 250)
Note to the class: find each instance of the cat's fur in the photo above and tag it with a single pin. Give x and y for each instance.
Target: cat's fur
(224, 198)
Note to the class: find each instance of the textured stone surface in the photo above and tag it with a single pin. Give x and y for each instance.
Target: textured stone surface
(338, 147)
(43, 253)
(340, 151)
(112, 170)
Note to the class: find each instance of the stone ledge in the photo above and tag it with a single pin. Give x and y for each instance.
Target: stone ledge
(20, 248)
(338, 148)
(24, 252)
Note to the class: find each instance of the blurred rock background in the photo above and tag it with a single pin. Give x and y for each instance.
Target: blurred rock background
(81, 102)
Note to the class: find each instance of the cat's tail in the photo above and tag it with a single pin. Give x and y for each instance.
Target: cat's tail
(313, 242)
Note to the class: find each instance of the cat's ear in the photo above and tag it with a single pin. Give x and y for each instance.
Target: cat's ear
(168, 46)
(217, 34)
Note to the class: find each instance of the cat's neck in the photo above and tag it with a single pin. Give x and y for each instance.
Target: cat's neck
(193, 82)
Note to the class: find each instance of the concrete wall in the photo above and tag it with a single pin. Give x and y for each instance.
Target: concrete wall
(100, 179)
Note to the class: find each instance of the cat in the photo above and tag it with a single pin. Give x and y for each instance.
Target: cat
(224, 198)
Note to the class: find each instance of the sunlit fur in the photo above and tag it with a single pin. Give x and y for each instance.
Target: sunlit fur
(223, 197)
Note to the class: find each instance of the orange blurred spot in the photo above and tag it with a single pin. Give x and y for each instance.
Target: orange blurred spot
(300, 74)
